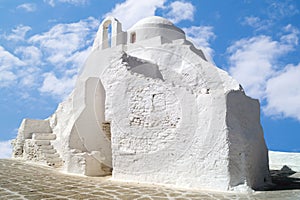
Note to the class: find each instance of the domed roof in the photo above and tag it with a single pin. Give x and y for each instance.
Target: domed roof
(155, 20)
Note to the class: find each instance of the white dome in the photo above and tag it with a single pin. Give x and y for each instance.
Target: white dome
(152, 27)
(155, 20)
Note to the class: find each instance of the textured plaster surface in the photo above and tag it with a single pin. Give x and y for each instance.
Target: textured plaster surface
(279, 159)
(174, 118)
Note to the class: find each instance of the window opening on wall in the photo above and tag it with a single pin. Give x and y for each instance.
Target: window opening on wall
(107, 34)
(133, 37)
(106, 129)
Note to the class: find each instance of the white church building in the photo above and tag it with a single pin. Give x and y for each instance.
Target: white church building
(149, 107)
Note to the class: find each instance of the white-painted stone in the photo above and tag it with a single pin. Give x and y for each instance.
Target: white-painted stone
(30, 126)
(281, 159)
(174, 118)
(43, 136)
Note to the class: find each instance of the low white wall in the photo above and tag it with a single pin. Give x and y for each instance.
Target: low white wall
(278, 159)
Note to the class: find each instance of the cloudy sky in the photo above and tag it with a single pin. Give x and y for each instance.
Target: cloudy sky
(44, 43)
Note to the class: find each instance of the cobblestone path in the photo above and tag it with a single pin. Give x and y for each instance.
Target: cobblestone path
(20, 180)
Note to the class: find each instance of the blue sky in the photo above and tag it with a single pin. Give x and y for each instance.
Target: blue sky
(44, 43)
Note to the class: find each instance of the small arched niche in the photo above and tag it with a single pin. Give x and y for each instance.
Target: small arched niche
(133, 37)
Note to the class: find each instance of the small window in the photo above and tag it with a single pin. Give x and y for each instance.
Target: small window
(107, 34)
(133, 37)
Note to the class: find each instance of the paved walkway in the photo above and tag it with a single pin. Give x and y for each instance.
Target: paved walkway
(20, 180)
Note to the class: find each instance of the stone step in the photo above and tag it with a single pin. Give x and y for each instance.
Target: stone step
(51, 155)
(45, 147)
(43, 136)
(54, 160)
(48, 151)
(42, 142)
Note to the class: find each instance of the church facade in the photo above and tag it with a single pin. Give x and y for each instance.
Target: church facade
(149, 107)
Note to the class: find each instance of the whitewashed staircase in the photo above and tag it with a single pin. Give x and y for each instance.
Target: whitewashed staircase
(46, 149)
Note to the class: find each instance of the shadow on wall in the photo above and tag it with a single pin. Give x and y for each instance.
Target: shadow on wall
(285, 179)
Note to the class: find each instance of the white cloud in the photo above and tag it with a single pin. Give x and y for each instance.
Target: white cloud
(283, 93)
(8, 60)
(254, 62)
(281, 9)
(18, 72)
(58, 87)
(201, 37)
(28, 7)
(79, 57)
(63, 49)
(252, 21)
(64, 40)
(291, 38)
(180, 11)
(276, 10)
(18, 34)
(7, 78)
(8, 64)
(28, 76)
(257, 23)
(131, 11)
(50, 2)
(5, 149)
(73, 2)
(31, 55)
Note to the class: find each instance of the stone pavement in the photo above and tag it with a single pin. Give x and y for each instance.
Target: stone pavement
(21, 180)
